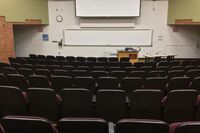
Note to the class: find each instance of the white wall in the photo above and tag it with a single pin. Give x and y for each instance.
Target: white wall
(184, 43)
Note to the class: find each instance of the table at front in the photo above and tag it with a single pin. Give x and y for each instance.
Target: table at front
(132, 55)
(168, 57)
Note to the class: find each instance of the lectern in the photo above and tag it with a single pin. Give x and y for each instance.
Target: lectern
(132, 55)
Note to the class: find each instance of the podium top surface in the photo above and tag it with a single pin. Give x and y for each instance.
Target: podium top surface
(123, 51)
(153, 56)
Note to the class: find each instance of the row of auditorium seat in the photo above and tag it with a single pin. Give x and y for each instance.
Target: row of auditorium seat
(105, 65)
(126, 69)
(111, 105)
(119, 65)
(96, 59)
(97, 72)
(17, 124)
(128, 84)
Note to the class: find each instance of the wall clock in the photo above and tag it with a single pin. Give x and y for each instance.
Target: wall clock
(59, 18)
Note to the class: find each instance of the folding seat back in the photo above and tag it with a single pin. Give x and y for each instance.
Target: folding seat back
(195, 62)
(175, 73)
(92, 59)
(104, 64)
(68, 68)
(117, 68)
(30, 66)
(107, 83)
(147, 69)
(41, 57)
(88, 63)
(40, 66)
(80, 59)
(125, 64)
(124, 59)
(85, 68)
(50, 57)
(79, 73)
(163, 63)
(40, 62)
(31, 61)
(9, 70)
(156, 83)
(130, 84)
(33, 56)
(75, 103)
(163, 68)
(98, 68)
(156, 73)
(98, 74)
(51, 62)
(27, 124)
(82, 125)
(195, 84)
(60, 58)
(18, 80)
(139, 64)
(16, 65)
(174, 63)
(2, 64)
(185, 127)
(179, 105)
(12, 60)
(178, 83)
(21, 60)
(12, 101)
(146, 104)
(176, 68)
(113, 59)
(53, 67)
(44, 72)
(189, 67)
(141, 126)
(114, 64)
(39, 81)
(25, 71)
(3, 79)
(157, 59)
(73, 63)
(62, 63)
(86, 83)
(60, 72)
(193, 74)
(43, 103)
(130, 69)
(118, 74)
(102, 59)
(151, 63)
(70, 58)
(141, 74)
(61, 82)
(111, 105)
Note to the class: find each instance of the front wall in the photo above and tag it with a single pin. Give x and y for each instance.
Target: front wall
(183, 9)
(19, 10)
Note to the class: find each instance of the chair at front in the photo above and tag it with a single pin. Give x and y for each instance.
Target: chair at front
(27, 124)
(141, 126)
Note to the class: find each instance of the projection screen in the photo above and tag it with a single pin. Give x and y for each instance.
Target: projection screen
(107, 8)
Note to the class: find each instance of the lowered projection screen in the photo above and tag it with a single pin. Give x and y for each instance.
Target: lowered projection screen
(107, 8)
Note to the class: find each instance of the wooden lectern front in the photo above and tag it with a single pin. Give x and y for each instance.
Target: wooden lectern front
(132, 55)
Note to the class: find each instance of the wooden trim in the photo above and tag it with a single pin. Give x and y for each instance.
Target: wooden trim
(26, 21)
(186, 22)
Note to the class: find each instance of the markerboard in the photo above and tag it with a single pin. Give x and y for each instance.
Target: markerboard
(98, 37)
(107, 8)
